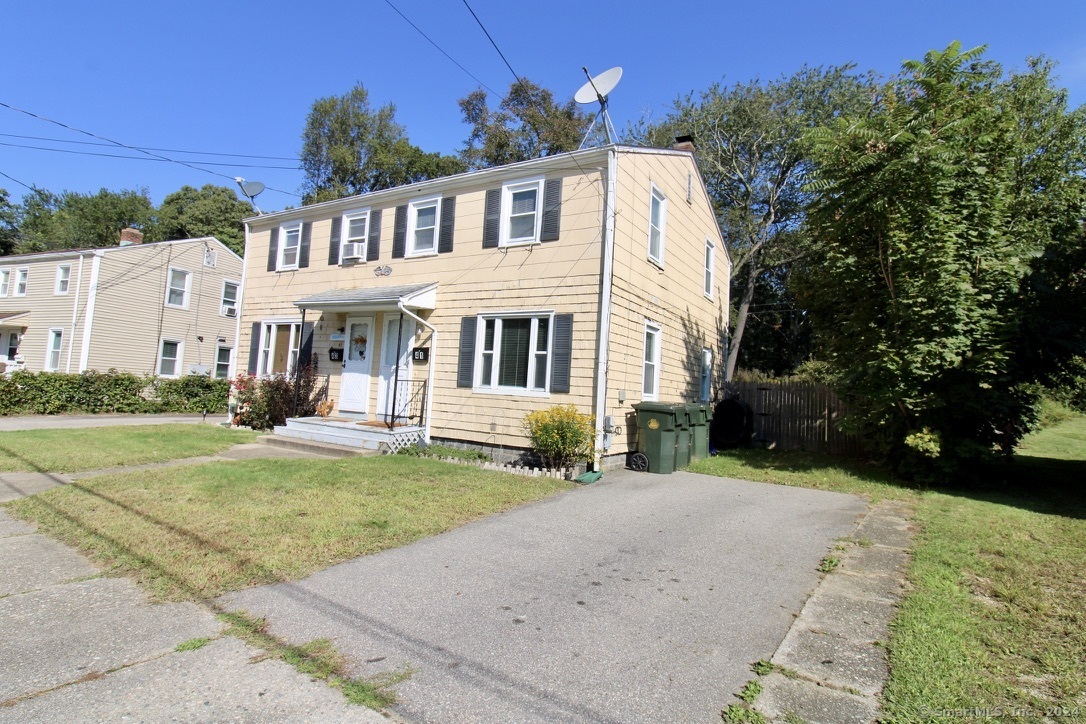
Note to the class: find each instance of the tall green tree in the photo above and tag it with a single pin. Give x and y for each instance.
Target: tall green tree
(9, 228)
(72, 220)
(210, 211)
(751, 149)
(528, 123)
(349, 147)
(932, 210)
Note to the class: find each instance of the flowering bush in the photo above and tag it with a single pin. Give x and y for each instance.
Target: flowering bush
(264, 402)
(560, 435)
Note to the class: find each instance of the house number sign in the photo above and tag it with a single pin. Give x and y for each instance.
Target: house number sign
(420, 354)
(335, 354)
(383, 271)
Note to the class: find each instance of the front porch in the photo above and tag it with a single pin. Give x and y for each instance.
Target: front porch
(349, 432)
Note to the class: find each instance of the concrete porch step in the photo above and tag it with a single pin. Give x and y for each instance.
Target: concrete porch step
(314, 446)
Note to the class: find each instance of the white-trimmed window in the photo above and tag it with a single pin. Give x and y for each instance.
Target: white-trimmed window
(229, 306)
(521, 212)
(356, 225)
(22, 281)
(52, 352)
(657, 225)
(705, 387)
(422, 219)
(650, 384)
(169, 358)
(290, 242)
(13, 345)
(710, 266)
(222, 363)
(178, 284)
(279, 347)
(5, 282)
(513, 353)
(64, 277)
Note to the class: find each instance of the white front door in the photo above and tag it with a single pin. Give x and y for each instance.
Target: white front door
(354, 386)
(389, 363)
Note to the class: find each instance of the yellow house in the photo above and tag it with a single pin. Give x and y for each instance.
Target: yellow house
(449, 309)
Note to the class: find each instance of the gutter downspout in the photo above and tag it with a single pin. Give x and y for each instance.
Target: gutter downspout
(92, 297)
(75, 314)
(241, 308)
(430, 372)
(606, 283)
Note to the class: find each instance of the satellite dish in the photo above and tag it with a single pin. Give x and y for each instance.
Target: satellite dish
(251, 189)
(596, 90)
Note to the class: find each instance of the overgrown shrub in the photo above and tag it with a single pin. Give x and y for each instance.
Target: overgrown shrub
(442, 451)
(193, 393)
(91, 392)
(560, 435)
(264, 402)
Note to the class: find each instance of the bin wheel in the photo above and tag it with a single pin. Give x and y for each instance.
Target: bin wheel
(639, 462)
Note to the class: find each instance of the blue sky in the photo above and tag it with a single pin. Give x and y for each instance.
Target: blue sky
(233, 77)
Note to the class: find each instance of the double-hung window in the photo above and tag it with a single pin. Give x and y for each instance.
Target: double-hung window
(356, 228)
(422, 217)
(290, 240)
(52, 352)
(650, 385)
(279, 347)
(13, 345)
(229, 299)
(222, 363)
(657, 225)
(521, 214)
(64, 277)
(5, 282)
(178, 285)
(22, 280)
(710, 261)
(514, 352)
(169, 358)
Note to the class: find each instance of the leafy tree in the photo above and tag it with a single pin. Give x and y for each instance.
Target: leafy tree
(210, 211)
(81, 221)
(527, 124)
(8, 224)
(932, 209)
(751, 151)
(350, 148)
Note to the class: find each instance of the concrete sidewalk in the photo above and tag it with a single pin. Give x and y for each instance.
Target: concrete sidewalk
(53, 422)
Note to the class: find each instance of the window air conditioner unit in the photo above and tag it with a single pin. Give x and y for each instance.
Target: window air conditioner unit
(229, 310)
(352, 250)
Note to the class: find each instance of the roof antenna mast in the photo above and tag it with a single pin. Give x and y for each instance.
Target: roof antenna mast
(596, 90)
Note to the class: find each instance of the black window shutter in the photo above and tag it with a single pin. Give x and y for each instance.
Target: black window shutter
(303, 245)
(373, 243)
(465, 373)
(448, 217)
(552, 209)
(305, 352)
(254, 348)
(562, 352)
(492, 219)
(273, 249)
(399, 233)
(333, 241)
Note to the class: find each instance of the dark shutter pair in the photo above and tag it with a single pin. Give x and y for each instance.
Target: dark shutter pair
(373, 238)
(561, 352)
(303, 247)
(552, 214)
(445, 227)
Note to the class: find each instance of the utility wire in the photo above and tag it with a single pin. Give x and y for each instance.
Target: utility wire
(487, 33)
(31, 188)
(148, 148)
(140, 158)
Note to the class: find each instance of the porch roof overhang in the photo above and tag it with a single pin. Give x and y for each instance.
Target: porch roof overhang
(412, 296)
(8, 319)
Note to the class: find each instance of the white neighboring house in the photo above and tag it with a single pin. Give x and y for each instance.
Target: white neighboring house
(166, 308)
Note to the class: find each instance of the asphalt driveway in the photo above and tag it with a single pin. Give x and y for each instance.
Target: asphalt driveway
(642, 598)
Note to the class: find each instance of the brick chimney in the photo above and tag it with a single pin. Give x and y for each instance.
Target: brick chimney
(131, 236)
(683, 143)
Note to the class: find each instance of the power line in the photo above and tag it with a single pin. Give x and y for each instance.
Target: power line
(31, 188)
(139, 158)
(149, 148)
(487, 33)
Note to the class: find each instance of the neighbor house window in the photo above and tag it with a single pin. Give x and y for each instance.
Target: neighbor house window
(657, 225)
(64, 276)
(422, 226)
(5, 282)
(52, 352)
(710, 261)
(513, 353)
(22, 279)
(169, 358)
(290, 239)
(229, 299)
(177, 288)
(650, 385)
(521, 212)
(279, 348)
(356, 229)
(13, 345)
(222, 363)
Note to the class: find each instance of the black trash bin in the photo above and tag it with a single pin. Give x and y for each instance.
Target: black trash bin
(656, 435)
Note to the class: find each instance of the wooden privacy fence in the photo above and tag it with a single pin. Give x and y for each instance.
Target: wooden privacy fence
(797, 416)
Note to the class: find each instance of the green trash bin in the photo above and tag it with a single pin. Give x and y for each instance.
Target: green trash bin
(708, 429)
(682, 436)
(656, 429)
(699, 431)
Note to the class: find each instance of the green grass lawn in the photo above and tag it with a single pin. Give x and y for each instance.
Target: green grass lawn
(193, 533)
(95, 448)
(995, 611)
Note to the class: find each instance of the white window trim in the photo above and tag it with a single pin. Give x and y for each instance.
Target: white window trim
(505, 217)
(67, 281)
(229, 362)
(54, 333)
(24, 273)
(654, 329)
(188, 287)
(281, 251)
(710, 268)
(412, 217)
(656, 193)
(293, 345)
(5, 281)
(480, 336)
(345, 237)
(237, 298)
(178, 366)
